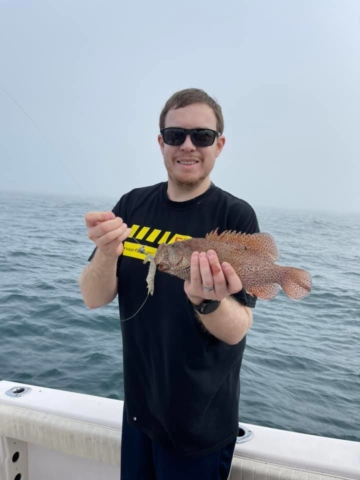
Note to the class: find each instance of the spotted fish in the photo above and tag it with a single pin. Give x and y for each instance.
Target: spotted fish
(252, 256)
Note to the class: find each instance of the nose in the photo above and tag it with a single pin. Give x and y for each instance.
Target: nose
(188, 146)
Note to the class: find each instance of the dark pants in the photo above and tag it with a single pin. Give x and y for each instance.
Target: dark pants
(143, 459)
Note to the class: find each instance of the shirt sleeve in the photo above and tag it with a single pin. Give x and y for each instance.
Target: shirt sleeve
(246, 222)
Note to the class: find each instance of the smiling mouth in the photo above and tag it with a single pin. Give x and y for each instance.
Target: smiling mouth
(185, 162)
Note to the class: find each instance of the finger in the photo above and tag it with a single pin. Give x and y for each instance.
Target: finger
(114, 248)
(214, 262)
(234, 283)
(205, 271)
(125, 235)
(118, 243)
(195, 278)
(92, 218)
(104, 227)
(220, 284)
(120, 234)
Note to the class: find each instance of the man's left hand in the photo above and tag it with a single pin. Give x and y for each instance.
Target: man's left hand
(210, 280)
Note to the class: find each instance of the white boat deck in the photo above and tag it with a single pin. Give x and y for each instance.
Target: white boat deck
(49, 434)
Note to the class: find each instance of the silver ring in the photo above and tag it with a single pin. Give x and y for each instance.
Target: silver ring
(208, 289)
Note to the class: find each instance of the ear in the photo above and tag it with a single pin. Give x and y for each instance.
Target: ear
(220, 144)
(161, 143)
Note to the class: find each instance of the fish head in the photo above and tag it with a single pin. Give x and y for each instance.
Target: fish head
(174, 259)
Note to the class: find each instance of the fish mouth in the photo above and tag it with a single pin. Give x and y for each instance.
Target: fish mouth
(162, 267)
(165, 268)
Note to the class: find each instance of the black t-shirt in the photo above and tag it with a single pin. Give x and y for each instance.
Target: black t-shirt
(182, 384)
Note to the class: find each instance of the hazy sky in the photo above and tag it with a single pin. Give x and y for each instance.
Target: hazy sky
(94, 75)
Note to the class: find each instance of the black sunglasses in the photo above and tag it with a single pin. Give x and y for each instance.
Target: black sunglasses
(200, 137)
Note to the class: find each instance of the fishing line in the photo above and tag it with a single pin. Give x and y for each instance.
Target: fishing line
(41, 134)
(141, 250)
(132, 316)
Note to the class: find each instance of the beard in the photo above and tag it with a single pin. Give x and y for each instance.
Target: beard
(188, 181)
(187, 184)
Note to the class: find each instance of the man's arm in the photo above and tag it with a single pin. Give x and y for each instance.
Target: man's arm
(98, 281)
(230, 322)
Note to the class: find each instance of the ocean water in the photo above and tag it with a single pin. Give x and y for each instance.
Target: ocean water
(301, 368)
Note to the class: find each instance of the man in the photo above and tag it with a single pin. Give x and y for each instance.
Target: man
(183, 350)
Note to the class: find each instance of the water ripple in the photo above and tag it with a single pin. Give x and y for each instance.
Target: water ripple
(301, 369)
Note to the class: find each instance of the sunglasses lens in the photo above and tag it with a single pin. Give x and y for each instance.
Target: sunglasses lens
(174, 136)
(203, 137)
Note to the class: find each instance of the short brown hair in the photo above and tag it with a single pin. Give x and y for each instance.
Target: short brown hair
(189, 96)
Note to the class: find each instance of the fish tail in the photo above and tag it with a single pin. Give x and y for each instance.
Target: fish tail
(295, 282)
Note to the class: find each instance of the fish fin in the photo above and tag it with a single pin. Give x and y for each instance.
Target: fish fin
(295, 282)
(265, 292)
(213, 235)
(262, 243)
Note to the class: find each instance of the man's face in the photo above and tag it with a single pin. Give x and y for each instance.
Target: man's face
(188, 166)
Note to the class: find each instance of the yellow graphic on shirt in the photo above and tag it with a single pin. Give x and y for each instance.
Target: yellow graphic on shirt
(151, 235)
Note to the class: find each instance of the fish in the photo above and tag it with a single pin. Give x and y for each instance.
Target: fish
(252, 256)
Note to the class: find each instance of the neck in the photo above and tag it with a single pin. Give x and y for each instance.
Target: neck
(182, 193)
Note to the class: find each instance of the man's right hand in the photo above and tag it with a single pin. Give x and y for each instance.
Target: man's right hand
(108, 232)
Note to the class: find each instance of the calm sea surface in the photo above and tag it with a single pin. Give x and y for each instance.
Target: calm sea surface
(301, 369)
